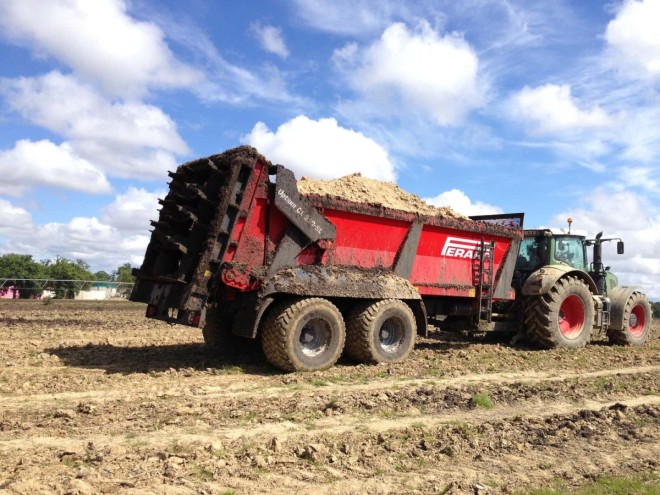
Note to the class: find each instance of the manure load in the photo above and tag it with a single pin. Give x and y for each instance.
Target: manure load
(316, 268)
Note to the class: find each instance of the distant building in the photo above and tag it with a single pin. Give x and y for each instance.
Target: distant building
(10, 292)
(98, 292)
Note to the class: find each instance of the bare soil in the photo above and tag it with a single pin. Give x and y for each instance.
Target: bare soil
(94, 398)
(359, 189)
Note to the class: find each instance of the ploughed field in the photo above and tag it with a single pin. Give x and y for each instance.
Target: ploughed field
(94, 398)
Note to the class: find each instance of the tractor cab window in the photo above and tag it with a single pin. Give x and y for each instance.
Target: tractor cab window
(570, 250)
(532, 253)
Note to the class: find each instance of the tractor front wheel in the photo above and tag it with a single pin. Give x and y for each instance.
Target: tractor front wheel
(636, 327)
(563, 317)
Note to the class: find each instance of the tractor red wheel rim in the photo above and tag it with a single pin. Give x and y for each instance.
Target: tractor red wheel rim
(571, 317)
(637, 321)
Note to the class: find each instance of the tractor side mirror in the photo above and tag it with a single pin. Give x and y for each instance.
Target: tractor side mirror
(619, 247)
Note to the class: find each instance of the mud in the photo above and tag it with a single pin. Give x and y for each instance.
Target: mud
(94, 398)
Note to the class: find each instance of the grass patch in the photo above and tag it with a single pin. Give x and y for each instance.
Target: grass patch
(641, 484)
(482, 400)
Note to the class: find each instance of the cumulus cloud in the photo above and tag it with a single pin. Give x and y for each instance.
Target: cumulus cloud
(636, 221)
(32, 163)
(459, 201)
(634, 38)
(421, 71)
(321, 149)
(14, 219)
(105, 243)
(132, 210)
(270, 38)
(100, 41)
(552, 109)
(125, 139)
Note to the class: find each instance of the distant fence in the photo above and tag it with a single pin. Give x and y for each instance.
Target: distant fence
(36, 288)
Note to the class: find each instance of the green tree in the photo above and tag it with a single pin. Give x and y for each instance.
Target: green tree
(70, 271)
(21, 266)
(124, 274)
(102, 275)
(656, 309)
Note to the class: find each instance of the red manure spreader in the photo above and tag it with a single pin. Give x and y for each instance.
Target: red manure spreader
(239, 252)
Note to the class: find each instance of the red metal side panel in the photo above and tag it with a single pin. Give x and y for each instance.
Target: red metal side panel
(365, 240)
(445, 262)
(247, 243)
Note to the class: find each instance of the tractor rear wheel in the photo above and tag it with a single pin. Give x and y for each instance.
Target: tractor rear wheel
(304, 335)
(636, 328)
(563, 317)
(380, 332)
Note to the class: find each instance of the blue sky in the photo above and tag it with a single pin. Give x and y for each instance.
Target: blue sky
(488, 106)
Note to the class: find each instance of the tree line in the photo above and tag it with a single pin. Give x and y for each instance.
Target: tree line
(656, 309)
(22, 266)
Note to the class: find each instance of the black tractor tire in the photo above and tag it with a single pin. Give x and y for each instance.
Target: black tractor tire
(303, 335)
(563, 317)
(217, 336)
(637, 318)
(380, 332)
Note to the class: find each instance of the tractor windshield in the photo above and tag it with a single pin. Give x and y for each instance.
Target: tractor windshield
(532, 254)
(570, 250)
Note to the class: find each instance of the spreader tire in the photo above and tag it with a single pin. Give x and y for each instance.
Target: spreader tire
(216, 335)
(380, 332)
(637, 317)
(563, 317)
(304, 335)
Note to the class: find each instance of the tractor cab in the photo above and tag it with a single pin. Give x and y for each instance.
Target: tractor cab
(543, 247)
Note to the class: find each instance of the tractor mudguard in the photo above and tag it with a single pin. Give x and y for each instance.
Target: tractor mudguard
(542, 280)
(619, 298)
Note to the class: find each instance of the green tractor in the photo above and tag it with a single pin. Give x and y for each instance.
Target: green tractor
(564, 301)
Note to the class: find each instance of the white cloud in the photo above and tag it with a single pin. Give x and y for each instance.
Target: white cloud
(634, 37)
(131, 211)
(32, 163)
(460, 202)
(270, 38)
(125, 139)
(102, 245)
(100, 41)
(352, 17)
(14, 219)
(552, 109)
(423, 72)
(625, 213)
(321, 149)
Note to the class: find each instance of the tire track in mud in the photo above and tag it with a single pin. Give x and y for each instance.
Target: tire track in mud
(280, 410)
(337, 426)
(231, 387)
(140, 408)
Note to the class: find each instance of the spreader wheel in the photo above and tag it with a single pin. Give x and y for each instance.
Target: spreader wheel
(637, 317)
(304, 335)
(216, 335)
(380, 332)
(563, 317)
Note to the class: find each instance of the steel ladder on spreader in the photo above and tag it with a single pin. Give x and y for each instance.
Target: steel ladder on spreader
(484, 282)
